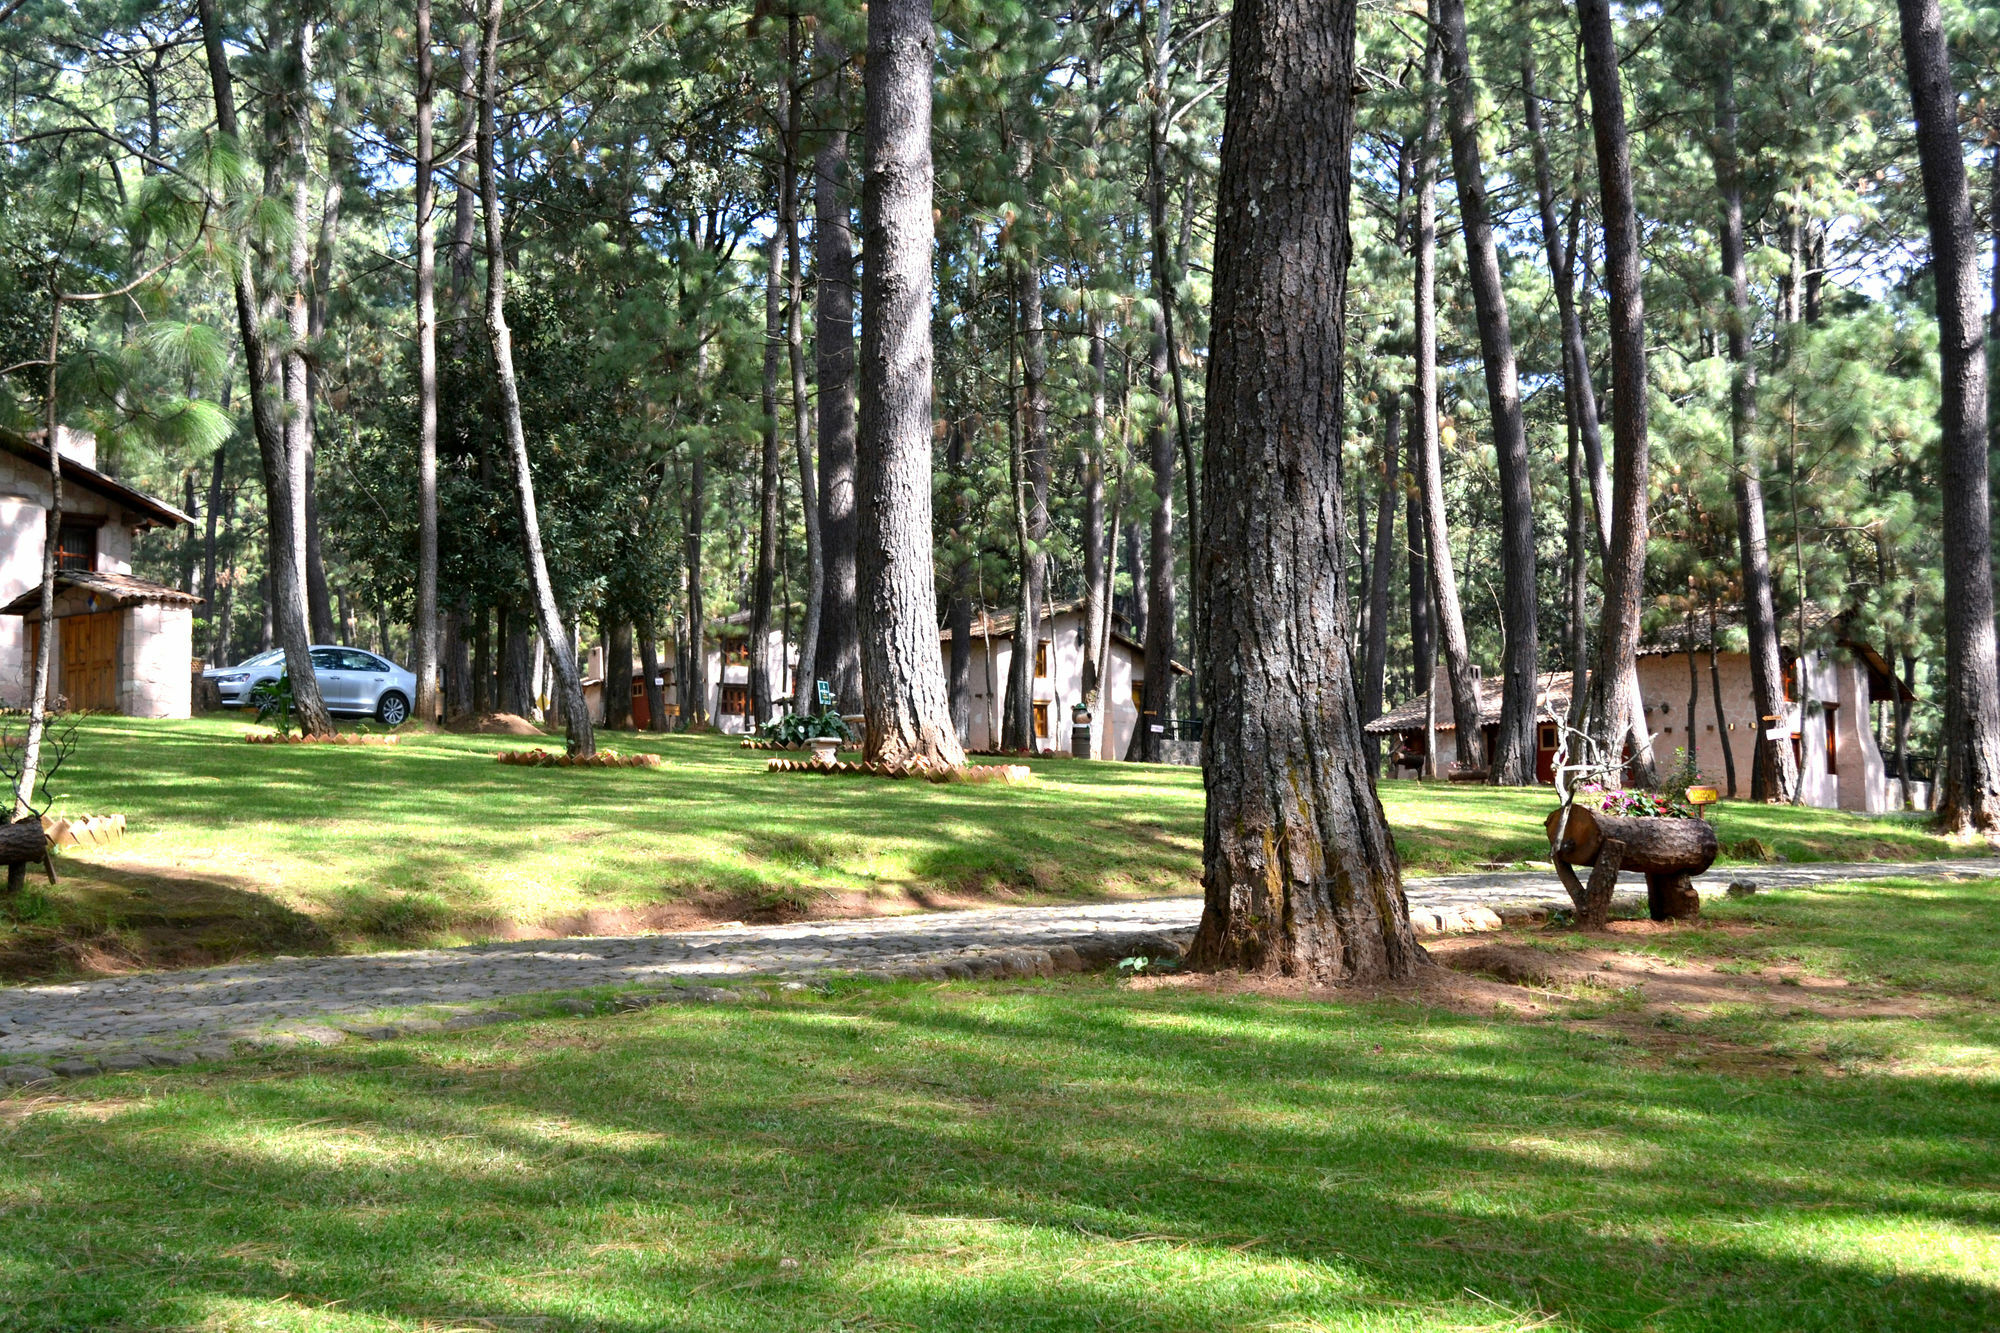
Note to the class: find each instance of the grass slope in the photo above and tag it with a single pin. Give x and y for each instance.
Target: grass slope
(1064, 1156)
(234, 848)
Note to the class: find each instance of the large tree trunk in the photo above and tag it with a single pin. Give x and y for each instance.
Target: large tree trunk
(1775, 770)
(425, 650)
(1423, 637)
(805, 695)
(1300, 873)
(1513, 759)
(1450, 627)
(301, 59)
(958, 609)
(761, 674)
(285, 583)
(548, 617)
(1614, 700)
(618, 674)
(839, 655)
(1969, 799)
(649, 662)
(903, 688)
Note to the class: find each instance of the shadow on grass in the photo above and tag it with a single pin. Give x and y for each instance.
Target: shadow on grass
(1057, 1159)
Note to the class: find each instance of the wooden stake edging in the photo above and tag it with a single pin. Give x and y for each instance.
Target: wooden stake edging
(1009, 773)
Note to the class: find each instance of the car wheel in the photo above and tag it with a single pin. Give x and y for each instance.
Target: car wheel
(392, 709)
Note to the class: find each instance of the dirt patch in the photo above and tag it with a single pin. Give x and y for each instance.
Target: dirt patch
(495, 724)
(1691, 989)
(1633, 1001)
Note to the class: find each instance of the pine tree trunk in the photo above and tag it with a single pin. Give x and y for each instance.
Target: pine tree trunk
(425, 649)
(1300, 873)
(576, 715)
(1031, 485)
(1721, 718)
(618, 675)
(1513, 759)
(1156, 710)
(1579, 392)
(805, 693)
(649, 662)
(839, 656)
(761, 691)
(284, 599)
(1969, 799)
(1423, 637)
(1465, 709)
(216, 644)
(1614, 698)
(1774, 768)
(1096, 581)
(903, 687)
(1376, 663)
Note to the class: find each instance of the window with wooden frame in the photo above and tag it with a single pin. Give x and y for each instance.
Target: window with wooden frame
(1547, 738)
(76, 546)
(1041, 661)
(1829, 713)
(736, 652)
(1041, 721)
(736, 700)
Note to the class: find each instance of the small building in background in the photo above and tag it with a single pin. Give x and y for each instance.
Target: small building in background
(123, 644)
(1832, 729)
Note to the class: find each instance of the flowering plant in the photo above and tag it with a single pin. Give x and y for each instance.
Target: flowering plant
(1621, 802)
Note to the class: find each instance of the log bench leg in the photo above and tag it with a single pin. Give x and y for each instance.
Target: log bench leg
(1596, 913)
(1672, 897)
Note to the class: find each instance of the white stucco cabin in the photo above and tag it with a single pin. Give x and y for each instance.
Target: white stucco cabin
(123, 644)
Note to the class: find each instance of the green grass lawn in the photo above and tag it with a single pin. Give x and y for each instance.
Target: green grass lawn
(1072, 1155)
(234, 848)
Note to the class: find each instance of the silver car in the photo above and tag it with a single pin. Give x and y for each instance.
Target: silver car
(352, 682)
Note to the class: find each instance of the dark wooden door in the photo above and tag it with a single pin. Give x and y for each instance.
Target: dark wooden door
(86, 669)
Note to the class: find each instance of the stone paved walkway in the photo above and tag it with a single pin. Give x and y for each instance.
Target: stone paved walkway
(246, 999)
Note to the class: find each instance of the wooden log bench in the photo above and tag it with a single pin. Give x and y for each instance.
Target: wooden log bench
(1668, 852)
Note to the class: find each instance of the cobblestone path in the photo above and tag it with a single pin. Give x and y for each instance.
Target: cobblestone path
(248, 1000)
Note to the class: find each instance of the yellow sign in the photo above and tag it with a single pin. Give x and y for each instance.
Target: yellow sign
(1703, 796)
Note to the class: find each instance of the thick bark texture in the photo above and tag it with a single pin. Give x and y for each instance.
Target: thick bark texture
(1614, 698)
(839, 655)
(649, 662)
(576, 714)
(1450, 621)
(694, 634)
(1969, 799)
(1300, 875)
(1776, 770)
(425, 631)
(1096, 541)
(903, 687)
(285, 599)
(618, 675)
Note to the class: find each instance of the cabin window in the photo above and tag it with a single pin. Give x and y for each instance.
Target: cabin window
(1547, 740)
(1139, 694)
(1041, 661)
(1041, 721)
(736, 652)
(76, 546)
(1830, 714)
(736, 700)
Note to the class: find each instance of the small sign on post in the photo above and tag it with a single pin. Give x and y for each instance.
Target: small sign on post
(1701, 798)
(825, 695)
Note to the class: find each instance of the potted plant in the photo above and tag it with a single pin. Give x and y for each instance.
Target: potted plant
(824, 731)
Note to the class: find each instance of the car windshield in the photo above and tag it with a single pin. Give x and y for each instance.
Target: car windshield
(264, 659)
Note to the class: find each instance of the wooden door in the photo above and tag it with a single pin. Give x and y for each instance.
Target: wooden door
(90, 660)
(86, 665)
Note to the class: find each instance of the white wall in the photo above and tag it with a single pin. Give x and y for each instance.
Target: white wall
(1062, 688)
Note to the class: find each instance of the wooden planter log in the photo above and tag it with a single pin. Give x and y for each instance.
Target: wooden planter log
(23, 843)
(1668, 852)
